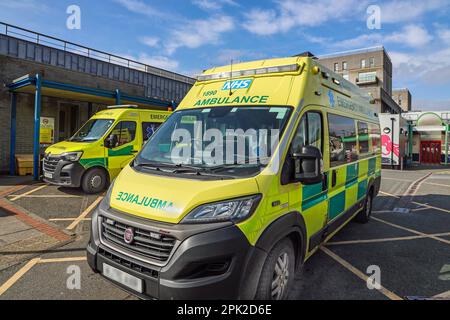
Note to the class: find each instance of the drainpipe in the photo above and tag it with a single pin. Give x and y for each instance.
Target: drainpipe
(410, 138)
(37, 128)
(392, 143)
(446, 142)
(12, 147)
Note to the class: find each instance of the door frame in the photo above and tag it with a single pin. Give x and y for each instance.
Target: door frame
(429, 143)
(67, 108)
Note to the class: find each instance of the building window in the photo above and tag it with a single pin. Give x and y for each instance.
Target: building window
(363, 63)
(336, 67)
(367, 77)
(346, 77)
(399, 102)
(344, 65)
(372, 62)
(342, 131)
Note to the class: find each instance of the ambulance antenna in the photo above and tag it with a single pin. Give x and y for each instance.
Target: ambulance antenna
(231, 77)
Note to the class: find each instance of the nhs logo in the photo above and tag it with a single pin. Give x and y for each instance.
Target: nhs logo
(237, 84)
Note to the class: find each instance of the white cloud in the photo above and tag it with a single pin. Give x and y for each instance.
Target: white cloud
(197, 33)
(213, 4)
(410, 35)
(409, 10)
(295, 13)
(158, 61)
(413, 36)
(364, 40)
(289, 14)
(150, 41)
(444, 35)
(139, 6)
(431, 68)
(24, 5)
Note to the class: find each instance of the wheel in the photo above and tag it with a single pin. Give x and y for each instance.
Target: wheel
(278, 272)
(364, 215)
(94, 181)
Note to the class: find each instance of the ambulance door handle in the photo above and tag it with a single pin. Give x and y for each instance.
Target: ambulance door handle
(333, 179)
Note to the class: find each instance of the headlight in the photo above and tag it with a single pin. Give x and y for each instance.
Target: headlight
(234, 210)
(105, 204)
(72, 156)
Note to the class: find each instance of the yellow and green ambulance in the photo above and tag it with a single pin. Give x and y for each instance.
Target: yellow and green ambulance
(105, 144)
(178, 223)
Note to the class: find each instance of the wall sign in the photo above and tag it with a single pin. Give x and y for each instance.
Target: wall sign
(47, 135)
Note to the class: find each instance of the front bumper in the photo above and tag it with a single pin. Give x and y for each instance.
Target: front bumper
(63, 173)
(208, 262)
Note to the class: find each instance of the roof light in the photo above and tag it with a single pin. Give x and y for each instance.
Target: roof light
(124, 106)
(250, 72)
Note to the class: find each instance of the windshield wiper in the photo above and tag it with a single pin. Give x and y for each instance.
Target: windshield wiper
(152, 164)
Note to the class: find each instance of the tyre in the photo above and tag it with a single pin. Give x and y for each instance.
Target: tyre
(278, 272)
(364, 215)
(94, 181)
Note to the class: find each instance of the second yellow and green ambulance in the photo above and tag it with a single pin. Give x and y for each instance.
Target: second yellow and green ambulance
(105, 144)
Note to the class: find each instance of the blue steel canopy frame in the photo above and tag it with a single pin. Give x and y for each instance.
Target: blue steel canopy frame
(39, 83)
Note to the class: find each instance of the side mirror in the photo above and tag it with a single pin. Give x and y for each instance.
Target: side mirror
(111, 141)
(308, 165)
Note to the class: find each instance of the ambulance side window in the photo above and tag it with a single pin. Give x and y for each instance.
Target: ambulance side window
(124, 132)
(363, 138)
(343, 137)
(148, 129)
(309, 132)
(375, 138)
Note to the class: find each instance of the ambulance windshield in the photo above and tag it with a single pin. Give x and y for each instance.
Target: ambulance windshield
(92, 131)
(224, 138)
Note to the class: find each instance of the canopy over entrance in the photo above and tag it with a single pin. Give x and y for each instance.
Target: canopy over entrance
(40, 87)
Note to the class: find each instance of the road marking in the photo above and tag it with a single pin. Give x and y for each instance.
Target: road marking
(359, 274)
(30, 264)
(431, 207)
(438, 184)
(69, 259)
(384, 178)
(68, 219)
(412, 231)
(390, 194)
(388, 239)
(84, 214)
(19, 274)
(45, 196)
(12, 189)
(444, 295)
(418, 203)
(413, 187)
(381, 211)
(28, 193)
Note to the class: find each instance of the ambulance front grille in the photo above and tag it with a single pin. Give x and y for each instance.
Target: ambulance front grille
(50, 163)
(150, 244)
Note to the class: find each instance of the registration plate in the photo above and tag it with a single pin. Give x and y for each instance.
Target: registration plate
(48, 175)
(123, 278)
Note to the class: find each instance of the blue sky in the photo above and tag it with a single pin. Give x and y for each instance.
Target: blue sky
(188, 36)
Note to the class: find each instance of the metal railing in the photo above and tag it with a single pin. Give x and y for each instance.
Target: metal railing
(66, 46)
